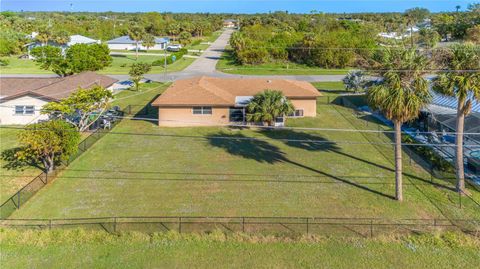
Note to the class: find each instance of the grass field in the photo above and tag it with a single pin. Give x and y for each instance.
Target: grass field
(216, 171)
(80, 249)
(22, 66)
(12, 180)
(228, 65)
(120, 65)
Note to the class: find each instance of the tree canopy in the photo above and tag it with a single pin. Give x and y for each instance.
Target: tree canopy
(82, 108)
(76, 59)
(47, 143)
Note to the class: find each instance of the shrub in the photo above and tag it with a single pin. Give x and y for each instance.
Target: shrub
(4, 62)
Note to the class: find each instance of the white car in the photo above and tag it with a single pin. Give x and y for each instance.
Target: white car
(175, 47)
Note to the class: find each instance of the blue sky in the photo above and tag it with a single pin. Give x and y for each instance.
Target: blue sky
(231, 6)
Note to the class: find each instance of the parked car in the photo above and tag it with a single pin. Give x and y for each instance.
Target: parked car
(174, 47)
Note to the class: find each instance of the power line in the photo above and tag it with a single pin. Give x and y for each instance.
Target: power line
(220, 137)
(365, 70)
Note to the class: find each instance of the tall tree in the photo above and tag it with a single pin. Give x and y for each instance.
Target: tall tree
(136, 33)
(267, 106)
(76, 59)
(82, 108)
(61, 37)
(414, 16)
(44, 35)
(460, 79)
(148, 41)
(137, 71)
(173, 29)
(184, 37)
(400, 95)
(47, 143)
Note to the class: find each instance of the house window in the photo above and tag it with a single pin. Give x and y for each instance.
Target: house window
(236, 114)
(297, 113)
(24, 110)
(202, 110)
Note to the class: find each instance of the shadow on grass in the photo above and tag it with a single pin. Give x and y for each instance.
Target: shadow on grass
(145, 112)
(264, 152)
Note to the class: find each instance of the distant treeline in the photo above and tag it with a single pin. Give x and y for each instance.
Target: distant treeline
(337, 41)
(15, 26)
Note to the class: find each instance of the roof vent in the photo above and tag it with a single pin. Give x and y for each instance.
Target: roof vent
(269, 81)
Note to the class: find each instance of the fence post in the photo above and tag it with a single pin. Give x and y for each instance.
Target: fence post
(50, 224)
(307, 227)
(243, 224)
(115, 224)
(180, 225)
(18, 199)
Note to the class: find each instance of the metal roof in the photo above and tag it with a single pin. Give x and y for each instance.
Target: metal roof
(126, 40)
(80, 39)
(451, 102)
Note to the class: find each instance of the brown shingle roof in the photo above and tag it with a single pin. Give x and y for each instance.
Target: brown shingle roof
(51, 88)
(222, 92)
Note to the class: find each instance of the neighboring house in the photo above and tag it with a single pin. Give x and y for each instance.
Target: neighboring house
(22, 98)
(217, 101)
(397, 36)
(125, 43)
(74, 39)
(230, 23)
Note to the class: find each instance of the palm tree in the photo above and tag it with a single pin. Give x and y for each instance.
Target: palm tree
(461, 81)
(267, 106)
(136, 34)
(173, 29)
(61, 37)
(354, 80)
(400, 95)
(148, 41)
(44, 35)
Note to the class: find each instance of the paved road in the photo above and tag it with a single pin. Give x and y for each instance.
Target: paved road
(205, 65)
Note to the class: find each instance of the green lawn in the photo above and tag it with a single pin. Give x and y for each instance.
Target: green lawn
(145, 94)
(12, 179)
(80, 249)
(228, 65)
(22, 66)
(166, 171)
(120, 65)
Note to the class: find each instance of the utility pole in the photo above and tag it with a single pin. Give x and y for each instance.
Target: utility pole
(165, 62)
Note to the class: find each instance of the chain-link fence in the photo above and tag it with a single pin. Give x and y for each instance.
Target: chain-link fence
(364, 227)
(140, 110)
(26, 192)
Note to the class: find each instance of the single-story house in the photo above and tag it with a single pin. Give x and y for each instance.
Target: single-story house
(21, 99)
(219, 101)
(125, 43)
(230, 23)
(74, 39)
